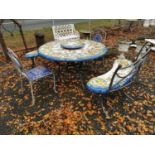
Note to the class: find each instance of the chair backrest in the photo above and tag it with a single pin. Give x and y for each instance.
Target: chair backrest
(133, 70)
(99, 35)
(143, 50)
(60, 31)
(15, 60)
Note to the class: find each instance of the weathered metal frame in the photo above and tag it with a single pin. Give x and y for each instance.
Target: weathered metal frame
(135, 71)
(2, 41)
(21, 71)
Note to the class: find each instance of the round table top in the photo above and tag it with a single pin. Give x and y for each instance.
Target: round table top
(55, 52)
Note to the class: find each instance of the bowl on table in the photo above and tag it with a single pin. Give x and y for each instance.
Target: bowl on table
(72, 45)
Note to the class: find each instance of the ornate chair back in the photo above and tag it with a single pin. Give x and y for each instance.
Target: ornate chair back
(61, 32)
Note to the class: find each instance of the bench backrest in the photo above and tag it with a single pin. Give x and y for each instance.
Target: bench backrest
(60, 31)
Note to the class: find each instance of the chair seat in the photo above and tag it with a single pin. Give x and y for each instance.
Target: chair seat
(101, 83)
(153, 48)
(69, 37)
(32, 54)
(37, 73)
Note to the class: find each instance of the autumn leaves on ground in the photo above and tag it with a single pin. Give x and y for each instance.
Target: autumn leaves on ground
(74, 110)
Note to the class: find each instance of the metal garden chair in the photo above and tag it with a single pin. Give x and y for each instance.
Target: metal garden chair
(123, 73)
(31, 75)
(63, 32)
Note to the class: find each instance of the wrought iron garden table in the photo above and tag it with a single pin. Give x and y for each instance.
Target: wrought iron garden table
(78, 51)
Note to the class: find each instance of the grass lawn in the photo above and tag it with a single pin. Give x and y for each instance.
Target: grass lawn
(15, 41)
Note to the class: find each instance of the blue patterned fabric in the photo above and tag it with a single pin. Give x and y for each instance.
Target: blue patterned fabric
(32, 54)
(37, 72)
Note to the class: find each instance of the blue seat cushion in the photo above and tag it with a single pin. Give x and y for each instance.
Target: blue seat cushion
(37, 73)
(105, 90)
(32, 54)
(100, 84)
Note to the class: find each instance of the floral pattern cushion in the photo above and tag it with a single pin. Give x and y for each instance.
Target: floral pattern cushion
(37, 72)
(101, 83)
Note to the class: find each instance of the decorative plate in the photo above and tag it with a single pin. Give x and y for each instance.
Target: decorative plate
(72, 45)
(98, 37)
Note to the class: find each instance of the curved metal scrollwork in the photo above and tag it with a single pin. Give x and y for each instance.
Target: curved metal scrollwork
(134, 68)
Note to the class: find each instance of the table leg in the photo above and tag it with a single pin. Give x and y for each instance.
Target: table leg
(80, 71)
(33, 62)
(58, 76)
